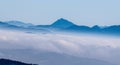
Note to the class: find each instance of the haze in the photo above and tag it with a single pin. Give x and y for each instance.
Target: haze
(81, 12)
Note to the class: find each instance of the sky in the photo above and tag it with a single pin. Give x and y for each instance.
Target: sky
(81, 12)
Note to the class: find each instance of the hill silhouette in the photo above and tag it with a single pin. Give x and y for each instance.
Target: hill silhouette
(11, 62)
(62, 25)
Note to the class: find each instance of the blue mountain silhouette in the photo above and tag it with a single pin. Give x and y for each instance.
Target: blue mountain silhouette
(62, 25)
(19, 23)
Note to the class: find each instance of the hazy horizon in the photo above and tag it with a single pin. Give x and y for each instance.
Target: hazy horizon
(103, 12)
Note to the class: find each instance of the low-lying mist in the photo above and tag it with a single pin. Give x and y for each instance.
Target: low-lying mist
(105, 48)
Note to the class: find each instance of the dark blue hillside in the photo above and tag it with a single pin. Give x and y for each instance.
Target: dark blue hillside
(11, 62)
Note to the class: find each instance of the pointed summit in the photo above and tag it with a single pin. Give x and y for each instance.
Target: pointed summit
(62, 23)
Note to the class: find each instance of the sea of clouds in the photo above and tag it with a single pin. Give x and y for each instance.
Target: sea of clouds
(100, 47)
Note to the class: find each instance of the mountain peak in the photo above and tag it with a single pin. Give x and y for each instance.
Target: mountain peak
(62, 23)
(63, 19)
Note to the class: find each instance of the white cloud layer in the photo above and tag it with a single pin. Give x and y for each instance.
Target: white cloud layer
(91, 46)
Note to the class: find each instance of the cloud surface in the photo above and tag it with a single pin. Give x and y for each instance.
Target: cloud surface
(90, 46)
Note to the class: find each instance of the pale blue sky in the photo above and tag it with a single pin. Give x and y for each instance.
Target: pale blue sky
(82, 12)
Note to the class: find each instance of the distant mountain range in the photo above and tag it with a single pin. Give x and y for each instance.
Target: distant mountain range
(61, 25)
(19, 23)
(11, 62)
